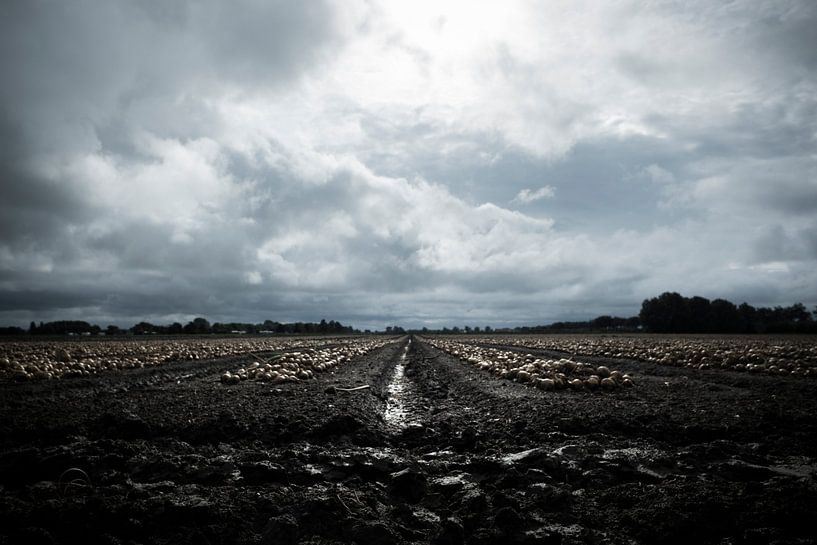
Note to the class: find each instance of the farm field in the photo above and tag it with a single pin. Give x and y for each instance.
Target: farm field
(568, 439)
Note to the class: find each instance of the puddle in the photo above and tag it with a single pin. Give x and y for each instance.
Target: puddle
(570, 451)
(565, 530)
(313, 470)
(450, 480)
(519, 457)
(649, 461)
(632, 454)
(423, 514)
(439, 454)
(397, 413)
(805, 469)
(799, 471)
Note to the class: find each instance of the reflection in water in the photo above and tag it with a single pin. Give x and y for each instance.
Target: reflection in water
(397, 412)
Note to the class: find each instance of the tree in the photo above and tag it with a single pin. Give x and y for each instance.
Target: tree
(699, 309)
(724, 317)
(175, 328)
(62, 327)
(143, 328)
(747, 314)
(667, 313)
(197, 326)
(797, 313)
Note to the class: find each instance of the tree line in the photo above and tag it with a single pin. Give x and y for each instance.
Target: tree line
(671, 312)
(600, 324)
(197, 326)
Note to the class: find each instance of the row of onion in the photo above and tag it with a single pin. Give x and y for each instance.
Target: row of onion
(36, 360)
(770, 355)
(302, 364)
(543, 373)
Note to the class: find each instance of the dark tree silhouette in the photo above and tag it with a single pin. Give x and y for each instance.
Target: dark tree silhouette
(672, 313)
(198, 326)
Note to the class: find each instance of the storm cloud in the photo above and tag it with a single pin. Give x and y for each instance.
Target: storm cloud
(424, 163)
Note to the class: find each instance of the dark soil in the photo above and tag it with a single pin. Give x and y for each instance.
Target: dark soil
(434, 451)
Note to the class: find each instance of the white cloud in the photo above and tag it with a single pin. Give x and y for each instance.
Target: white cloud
(526, 196)
(254, 278)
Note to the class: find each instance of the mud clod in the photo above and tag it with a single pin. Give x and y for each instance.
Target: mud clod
(451, 533)
(281, 530)
(373, 532)
(507, 519)
(408, 484)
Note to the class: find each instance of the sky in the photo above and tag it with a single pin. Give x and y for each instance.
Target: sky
(425, 163)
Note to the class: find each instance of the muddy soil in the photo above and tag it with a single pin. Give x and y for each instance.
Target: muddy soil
(433, 451)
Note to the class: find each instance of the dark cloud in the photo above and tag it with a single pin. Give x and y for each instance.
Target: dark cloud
(793, 196)
(775, 244)
(33, 211)
(45, 301)
(790, 36)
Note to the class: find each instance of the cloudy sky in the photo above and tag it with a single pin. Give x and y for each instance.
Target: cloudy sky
(422, 163)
